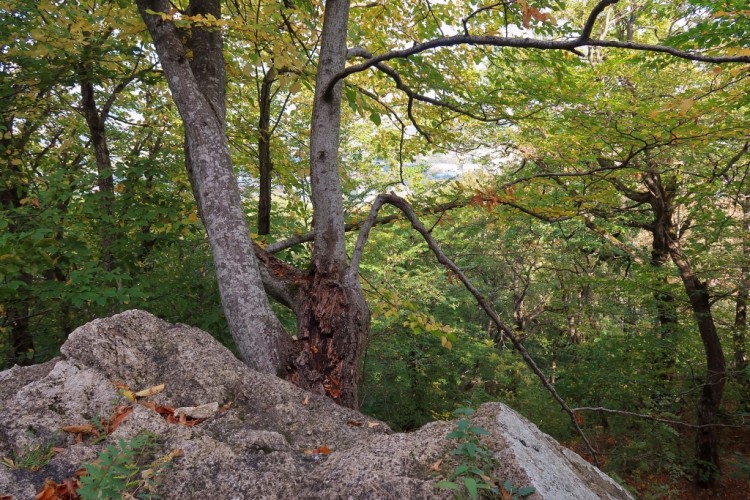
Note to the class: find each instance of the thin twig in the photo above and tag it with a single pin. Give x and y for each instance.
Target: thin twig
(652, 418)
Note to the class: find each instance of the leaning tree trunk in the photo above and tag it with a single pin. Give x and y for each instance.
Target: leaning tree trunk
(333, 319)
(255, 329)
(707, 439)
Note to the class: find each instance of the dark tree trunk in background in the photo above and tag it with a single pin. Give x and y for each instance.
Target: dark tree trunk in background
(707, 439)
(13, 189)
(739, 336)
(105, 177)
(264, 153)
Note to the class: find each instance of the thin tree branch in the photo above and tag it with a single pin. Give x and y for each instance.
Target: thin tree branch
(654, 419)
(532, 43)
(402, 205)
(353, 226)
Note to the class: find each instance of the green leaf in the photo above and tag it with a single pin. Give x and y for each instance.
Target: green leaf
(471, 486)
(447, 484)
(526, 491)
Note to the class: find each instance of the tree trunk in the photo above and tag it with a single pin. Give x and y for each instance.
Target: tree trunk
(707, 439)
(197, 89)
(105, 177)
(333, 319)
(264, 153)
(743, 295)
(660, 196)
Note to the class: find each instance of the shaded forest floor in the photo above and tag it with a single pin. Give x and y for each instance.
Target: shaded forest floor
(733, 485)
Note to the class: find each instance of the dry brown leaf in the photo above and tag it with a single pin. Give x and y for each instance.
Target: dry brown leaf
(151, 391)
(124, 390)
(370, 425)
(436, 465)
(82, 429)
(355, 423)
(306, 401)
(119, 414)
(320, 450)
(48, 493)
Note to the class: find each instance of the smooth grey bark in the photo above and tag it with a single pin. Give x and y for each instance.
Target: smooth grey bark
(329, 253)
(259, 336)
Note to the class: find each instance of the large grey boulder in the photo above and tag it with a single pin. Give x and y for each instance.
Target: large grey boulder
(261, 446)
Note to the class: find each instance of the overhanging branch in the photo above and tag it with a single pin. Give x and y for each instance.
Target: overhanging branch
(532, 43)
(402, 205)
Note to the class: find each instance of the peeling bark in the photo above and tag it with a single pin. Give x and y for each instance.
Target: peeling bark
(333, 319)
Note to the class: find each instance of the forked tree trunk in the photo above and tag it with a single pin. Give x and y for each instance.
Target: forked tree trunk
(333, 319)
(707, 439)
(332, 315)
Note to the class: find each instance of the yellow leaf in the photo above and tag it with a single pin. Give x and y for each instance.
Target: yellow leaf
(127, 394)
(446, 343)
(16, 161)
(686, 105)
(151, 391)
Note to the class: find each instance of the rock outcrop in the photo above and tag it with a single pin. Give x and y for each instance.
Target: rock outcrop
(272, 442)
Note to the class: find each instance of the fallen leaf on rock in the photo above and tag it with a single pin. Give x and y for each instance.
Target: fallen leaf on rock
(306, 401)
(119, 414)
(227, 406)
(355, 423)
(151, 391)
(436, 465)
(85, 429)
(125, 390)
(320, 450)
(169, 413)
(197, 412)
(370, 425)
(63, 491)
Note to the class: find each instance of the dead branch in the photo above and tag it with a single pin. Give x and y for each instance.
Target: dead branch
(652, 418)
(402, 205)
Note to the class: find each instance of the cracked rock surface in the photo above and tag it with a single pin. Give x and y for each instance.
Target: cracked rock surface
(261, 446)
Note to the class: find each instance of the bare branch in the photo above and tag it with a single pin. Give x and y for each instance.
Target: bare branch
(533, 43)
(654, 419)
(354, 226)
(402, 205)
(598, 9)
